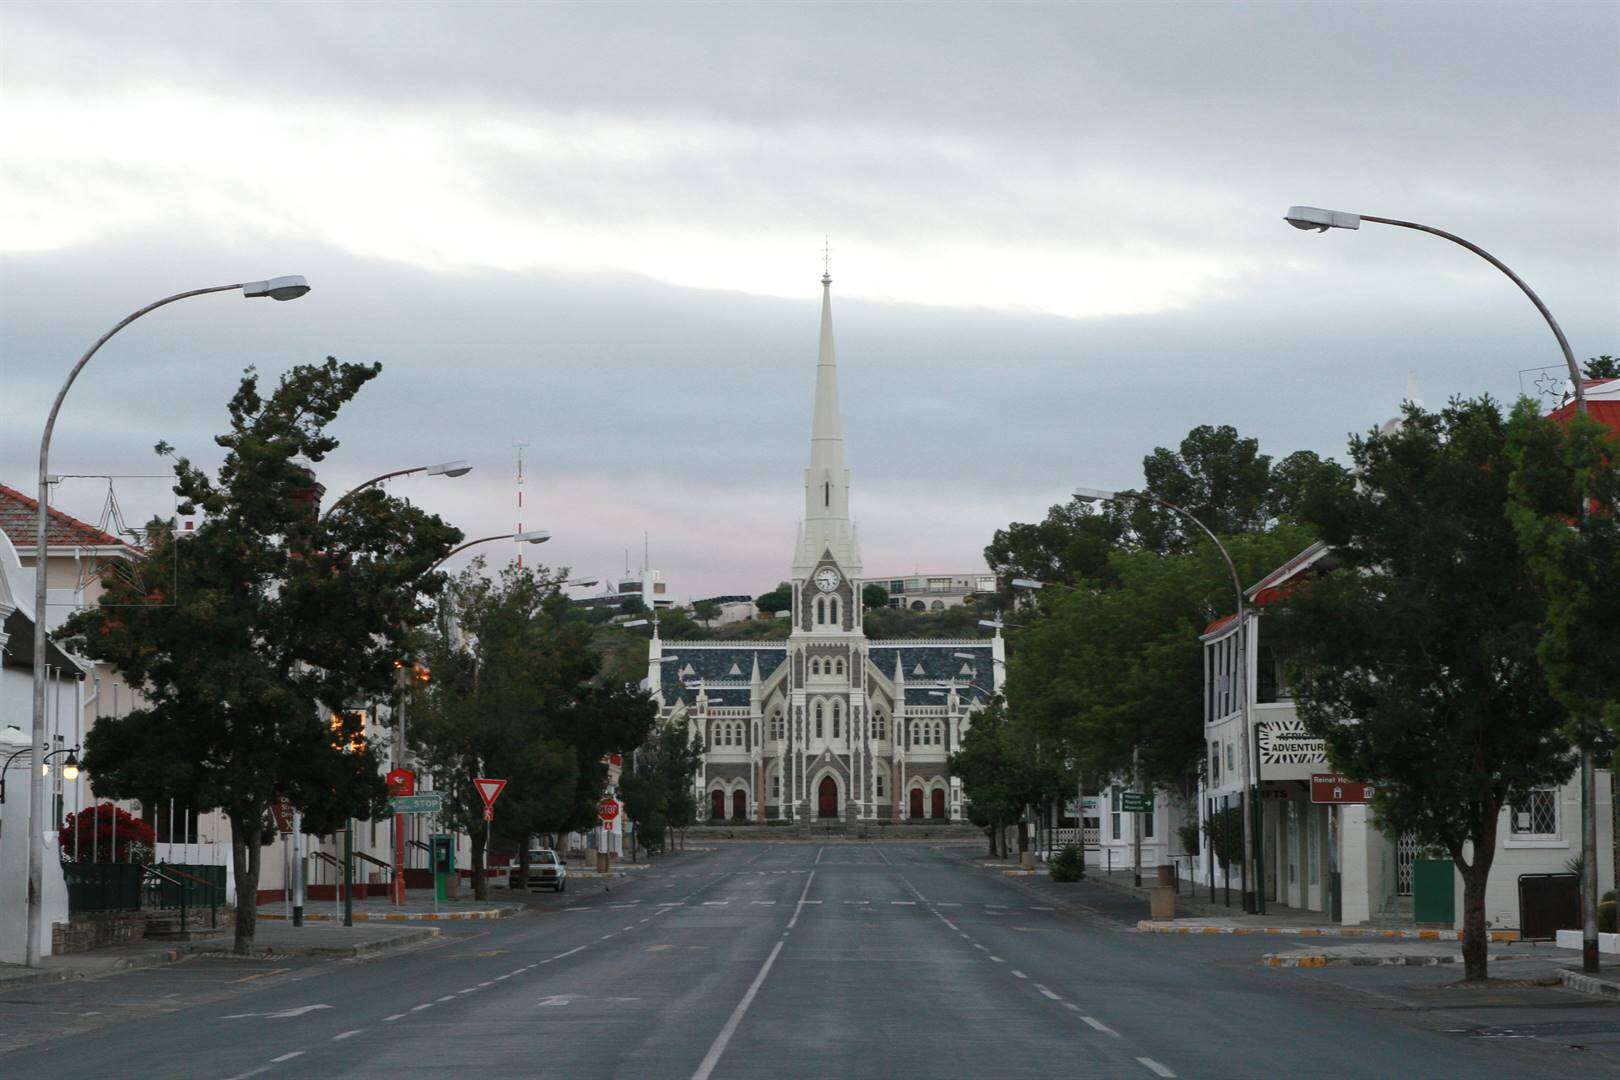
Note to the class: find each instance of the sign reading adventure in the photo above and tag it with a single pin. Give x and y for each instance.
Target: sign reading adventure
(1286, 742)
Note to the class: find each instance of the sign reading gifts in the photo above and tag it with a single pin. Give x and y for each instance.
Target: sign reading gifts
(1286, 742)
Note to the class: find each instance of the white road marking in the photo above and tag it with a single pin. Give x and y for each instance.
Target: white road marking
(797, 910)
(1016, 974)
(627, 903)
(762, 903)
(300, 1053)
(950, 924)
(1155, 1067)
(604, 937)
(819, 853)
(251, 1072)
(716, 903)
(998, 959)
(419, 1008)
(981, 948)
(447, 997)
(282, 1015)
(396, 1016)
(555, 999)
(340, 1036)
(561, 955)
(677, 903)
(1049, 994)
(1033, 908)
(487, 983)
(1100, 1026)
(904, 903)
(469, 990)
(712, 1058)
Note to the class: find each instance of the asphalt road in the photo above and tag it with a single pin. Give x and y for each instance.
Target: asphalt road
(849, 959)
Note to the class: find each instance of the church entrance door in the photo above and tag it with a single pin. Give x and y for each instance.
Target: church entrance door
(916, 802)
(739, 805)
(827, 798)
(717, 805)
(937, 809)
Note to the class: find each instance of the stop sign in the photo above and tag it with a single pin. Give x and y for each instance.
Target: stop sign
(607, 809)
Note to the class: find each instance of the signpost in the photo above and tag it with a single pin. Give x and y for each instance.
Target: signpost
(401, 782)
(1133, 802)
(430, 803)
(1334, 789)
(489, 790)
(607, 810)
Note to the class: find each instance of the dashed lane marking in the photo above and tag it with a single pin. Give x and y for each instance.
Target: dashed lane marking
(1100, 1026)
(1049, 994)
(396, 1016)
(340, 1036)
(1016, 973)
(1155, 1067)
(286, 1057)
(419, 1008)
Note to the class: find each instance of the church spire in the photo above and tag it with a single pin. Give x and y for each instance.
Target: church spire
(826, 524)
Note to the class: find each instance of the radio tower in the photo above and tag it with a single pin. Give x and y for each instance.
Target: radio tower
(519, 447)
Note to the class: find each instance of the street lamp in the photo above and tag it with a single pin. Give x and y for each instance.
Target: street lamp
(279, 288)
(1312, 217)
(1253, 894)
(533, 536)
(445, 468)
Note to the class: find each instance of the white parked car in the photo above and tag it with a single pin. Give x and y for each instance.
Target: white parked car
(547, 871)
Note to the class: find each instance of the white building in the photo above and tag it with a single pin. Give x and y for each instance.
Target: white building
(827, 724)
(1302, 844)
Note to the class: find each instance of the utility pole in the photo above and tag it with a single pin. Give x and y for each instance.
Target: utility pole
(298, 868)
(1136, 820)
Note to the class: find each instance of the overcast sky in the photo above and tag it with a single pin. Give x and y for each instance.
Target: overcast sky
(1056, 243)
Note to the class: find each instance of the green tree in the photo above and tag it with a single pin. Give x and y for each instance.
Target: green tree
(254, 637)
(1602, 367)
(1003, 772)
(705, 611)
(778, 599)
(658, 794)
(1415, 660)
(517, 693)
(874, 596)
(1574, 558)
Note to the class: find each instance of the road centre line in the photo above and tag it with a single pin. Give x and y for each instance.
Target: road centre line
(1016, 973)
(1155, 1067)
(340, 1036)
(396, 1016)
(799, 908)
(1049, 994)
(448, 997)
(712, 1058)
(286, 1057)
(1100, 1026)
(419, 1008)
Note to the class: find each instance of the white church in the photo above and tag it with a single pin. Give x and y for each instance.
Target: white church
(827, 725)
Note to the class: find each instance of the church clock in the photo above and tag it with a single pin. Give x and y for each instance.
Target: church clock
(827, 579)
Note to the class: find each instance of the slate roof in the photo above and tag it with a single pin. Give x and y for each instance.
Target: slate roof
(17, 513)
(937, 663)
(715, 665)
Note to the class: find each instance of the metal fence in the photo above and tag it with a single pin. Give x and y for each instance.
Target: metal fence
(93, 886)
(98, 886)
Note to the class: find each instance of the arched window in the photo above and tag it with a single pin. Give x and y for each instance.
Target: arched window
(776, 724)
(818, 719)
(815, 666)
(821, 609)
(939, 733)
(838, 715)
(937, 605)
(838, 667)
(832, 610)
(877, 784)
(776, 785)
(878, 726)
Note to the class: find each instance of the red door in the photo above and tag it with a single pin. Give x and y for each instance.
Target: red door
(827, 798)
(938, 807)
(739, 806)
(916, 802)
(717, 804)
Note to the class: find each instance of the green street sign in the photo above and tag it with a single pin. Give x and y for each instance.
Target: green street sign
(431, 803)
(1133, 802)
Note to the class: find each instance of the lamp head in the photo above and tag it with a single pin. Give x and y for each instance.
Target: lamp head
(70, 767)
(290, 287)
(1027, 583)
(633, 622)
(449, 468)
(1315, 218)
(533, 536)
(992, 624)
(1095, 495)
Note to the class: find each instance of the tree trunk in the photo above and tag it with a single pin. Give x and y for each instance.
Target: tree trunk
(479, 838)
(245, 853)
(1474, 938)
(990, 834)
(522, 881)
(1023, 839)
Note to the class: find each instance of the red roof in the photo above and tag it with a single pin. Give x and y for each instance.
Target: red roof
(1602, 403)
(1275, 585)
(17, 521)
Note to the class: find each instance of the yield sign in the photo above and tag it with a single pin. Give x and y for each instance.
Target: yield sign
(488, 790)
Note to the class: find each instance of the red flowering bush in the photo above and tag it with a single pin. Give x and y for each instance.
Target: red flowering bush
(104, 833)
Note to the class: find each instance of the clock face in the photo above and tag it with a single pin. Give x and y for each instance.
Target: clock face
(827, 579)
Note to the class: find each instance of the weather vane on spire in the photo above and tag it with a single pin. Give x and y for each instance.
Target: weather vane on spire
(826, 261)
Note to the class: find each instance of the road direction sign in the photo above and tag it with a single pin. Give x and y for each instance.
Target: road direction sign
(607, 810)
(431, 803)
(401, 782)
(1133, 802)
(1334, 789)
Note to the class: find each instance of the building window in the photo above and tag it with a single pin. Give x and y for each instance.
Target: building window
(877, 784)
(1147, 826)
(878, 726)
(1113, 824)
(1214, 763)
(838, 715)
(776, 785)
(1229, 757)
(815, 667)
(821, 610)
(832, 610)
(818, 719)
(1535, 814)
(776, 725)
(838, 667)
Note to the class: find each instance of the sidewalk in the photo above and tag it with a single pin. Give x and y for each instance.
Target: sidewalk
(270, 939)
(419, 907)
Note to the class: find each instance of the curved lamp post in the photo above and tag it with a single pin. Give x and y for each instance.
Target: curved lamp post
(280, 288)
(446, 468)
(1315, 218)
(1253, 894)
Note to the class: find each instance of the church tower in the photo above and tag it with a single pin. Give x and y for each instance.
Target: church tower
(827, 564)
